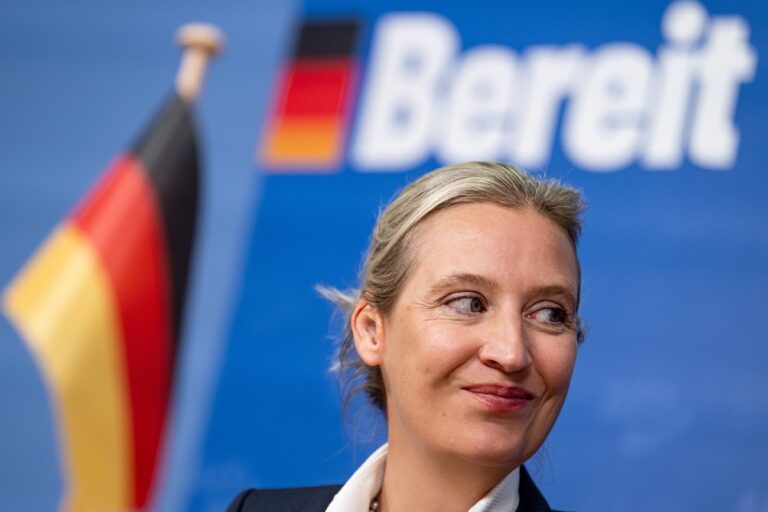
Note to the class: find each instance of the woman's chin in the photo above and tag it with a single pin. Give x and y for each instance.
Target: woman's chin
(497, 451)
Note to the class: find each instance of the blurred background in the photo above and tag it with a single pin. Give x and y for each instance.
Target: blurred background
(313, 117)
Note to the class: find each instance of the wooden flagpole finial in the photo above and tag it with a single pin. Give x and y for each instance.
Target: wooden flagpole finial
(200, 42)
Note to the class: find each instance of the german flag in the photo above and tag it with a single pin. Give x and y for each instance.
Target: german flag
(311, 109)
(100, 306)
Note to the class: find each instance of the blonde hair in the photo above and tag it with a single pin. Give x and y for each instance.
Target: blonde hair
(389, 257)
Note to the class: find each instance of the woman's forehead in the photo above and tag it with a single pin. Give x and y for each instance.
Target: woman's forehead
(495, 243)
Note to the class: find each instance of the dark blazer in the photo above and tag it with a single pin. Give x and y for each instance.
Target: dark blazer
(317, 499)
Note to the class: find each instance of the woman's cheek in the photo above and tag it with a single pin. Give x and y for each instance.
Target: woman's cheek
(555, 362)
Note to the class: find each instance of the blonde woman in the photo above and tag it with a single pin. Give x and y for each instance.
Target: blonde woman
(464, 333)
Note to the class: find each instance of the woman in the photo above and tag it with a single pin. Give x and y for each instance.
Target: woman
(464, 333)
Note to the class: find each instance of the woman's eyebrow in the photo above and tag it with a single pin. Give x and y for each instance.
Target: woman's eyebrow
(556, 289)
(462, 279)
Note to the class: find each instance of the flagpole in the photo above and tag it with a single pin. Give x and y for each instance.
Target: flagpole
(200, 42)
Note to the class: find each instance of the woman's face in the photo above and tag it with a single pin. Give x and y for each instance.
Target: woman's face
(478, 351)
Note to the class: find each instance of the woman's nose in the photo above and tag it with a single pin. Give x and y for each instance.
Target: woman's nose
(505, 347)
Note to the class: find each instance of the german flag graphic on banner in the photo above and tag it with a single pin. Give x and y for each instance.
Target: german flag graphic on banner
(100, 306)
(311, 109)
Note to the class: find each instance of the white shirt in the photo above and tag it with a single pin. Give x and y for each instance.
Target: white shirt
(356, 495)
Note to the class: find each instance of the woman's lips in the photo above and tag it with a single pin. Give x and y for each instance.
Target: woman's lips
(501, 398)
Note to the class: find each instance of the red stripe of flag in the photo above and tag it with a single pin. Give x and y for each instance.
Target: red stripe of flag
(122, 219)
(316, 88)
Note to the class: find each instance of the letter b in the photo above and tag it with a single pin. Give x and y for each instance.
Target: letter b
(410, 54)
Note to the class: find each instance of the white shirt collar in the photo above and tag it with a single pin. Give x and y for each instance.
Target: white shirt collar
(365, 484)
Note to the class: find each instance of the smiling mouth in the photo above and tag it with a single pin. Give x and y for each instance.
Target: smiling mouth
(501, 398)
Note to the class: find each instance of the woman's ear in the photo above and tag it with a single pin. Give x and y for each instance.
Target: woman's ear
(367, 324)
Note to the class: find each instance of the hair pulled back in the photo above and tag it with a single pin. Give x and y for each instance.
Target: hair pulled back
(390, 256)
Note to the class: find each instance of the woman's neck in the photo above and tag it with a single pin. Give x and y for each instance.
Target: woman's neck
(417, 480)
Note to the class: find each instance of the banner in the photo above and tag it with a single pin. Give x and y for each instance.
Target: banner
(654, 109)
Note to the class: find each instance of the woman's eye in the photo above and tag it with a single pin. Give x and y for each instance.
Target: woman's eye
(468, 304)
(551, 315)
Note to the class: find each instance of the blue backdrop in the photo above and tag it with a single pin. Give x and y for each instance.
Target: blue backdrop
(656, 112)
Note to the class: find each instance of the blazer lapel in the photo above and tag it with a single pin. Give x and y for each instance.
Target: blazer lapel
(531, 499)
